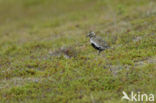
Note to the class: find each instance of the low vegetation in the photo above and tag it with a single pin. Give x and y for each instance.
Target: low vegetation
(45, 56)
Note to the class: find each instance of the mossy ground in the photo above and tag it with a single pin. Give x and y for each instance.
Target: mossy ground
(45, 56)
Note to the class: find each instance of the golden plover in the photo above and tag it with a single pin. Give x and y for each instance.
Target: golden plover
(97, 42)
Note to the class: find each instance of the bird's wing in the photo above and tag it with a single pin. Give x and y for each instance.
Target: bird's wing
(101, 42)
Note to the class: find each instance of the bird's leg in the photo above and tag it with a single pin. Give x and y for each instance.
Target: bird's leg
(99, 52)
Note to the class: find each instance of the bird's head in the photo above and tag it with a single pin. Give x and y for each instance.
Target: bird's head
(91, 34)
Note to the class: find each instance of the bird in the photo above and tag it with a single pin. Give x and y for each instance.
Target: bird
(97, 42)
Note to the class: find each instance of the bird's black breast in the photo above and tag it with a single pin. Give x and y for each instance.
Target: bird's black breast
(96, 47)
